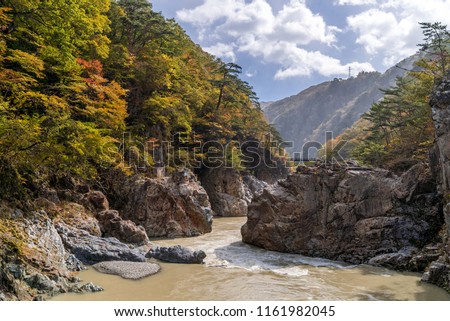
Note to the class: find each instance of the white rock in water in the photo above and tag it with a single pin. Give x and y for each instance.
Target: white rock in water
(128, 270)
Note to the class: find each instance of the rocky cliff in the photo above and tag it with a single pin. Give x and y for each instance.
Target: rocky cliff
(41, 248)
(352, 215)
(439, 271)
(366, 216)
(176, 206)
(227, 192)
(230, 191)
(43, 241)
(330, 106)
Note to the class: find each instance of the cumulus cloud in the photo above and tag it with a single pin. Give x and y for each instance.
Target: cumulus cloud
(209, 11)
(392, 30)
(225, 51)
(304, 63)
(356, 2)
(284, 38)
(296, 23)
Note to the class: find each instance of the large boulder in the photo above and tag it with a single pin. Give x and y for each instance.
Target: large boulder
(112, 225)
(349, 215)
(226, 190)
(230, 191)
(170, 207)
(176, 254)
(91, 249)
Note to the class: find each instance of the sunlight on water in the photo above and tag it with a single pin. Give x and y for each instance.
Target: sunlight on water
(236, 271)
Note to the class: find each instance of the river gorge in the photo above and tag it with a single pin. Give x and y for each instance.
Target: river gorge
(237, 271)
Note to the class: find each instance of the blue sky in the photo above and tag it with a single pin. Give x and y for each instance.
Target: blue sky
(285, 46)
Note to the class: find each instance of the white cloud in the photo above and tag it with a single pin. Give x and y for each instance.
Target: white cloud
(297, 23)
(392, 30)
(283, 38)
(251, 73)
(355, 2)
(304, 63)
(256, 17)
(209, 11)
(225, 51)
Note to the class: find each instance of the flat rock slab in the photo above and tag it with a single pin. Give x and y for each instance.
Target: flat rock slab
(128, 270)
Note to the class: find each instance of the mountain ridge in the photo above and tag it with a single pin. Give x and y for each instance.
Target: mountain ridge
(331, 106)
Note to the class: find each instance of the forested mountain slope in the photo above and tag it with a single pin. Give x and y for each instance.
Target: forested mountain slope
(331, 106)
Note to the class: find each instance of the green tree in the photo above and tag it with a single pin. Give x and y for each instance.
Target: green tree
(437, 45)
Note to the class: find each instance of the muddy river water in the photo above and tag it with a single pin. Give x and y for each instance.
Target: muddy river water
(236, 271)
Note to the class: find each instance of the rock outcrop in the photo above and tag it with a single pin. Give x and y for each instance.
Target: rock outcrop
(177, 254)
(227, 192)
(44, 243)
(75, 215)
(230, 191)
(439, 271)
(91, 249)
(349, 215)
(112, 225)
(95, 201)
(170, 207)
(34, 264)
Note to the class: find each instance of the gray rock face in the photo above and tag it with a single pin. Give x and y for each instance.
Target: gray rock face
(408, 258)
(73, 264)
(112, 225)
(254, 186)
(439, 272)
(128, 270)
(227, 192)
(47, 272)
(398, 261)
(86, 288)
(41, 283)
(44, 242)
(170, 207)
(346, 215)
(91, 249)
(177, 254)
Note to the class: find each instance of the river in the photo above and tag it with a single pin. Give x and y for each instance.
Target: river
(236, 271)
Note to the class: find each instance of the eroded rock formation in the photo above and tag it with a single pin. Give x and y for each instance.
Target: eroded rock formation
(170, 207)
(439, 271)
(230, 191)
(112, 225)
(349, 215)
(227, 192)
(34, 263)
(91, 249)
